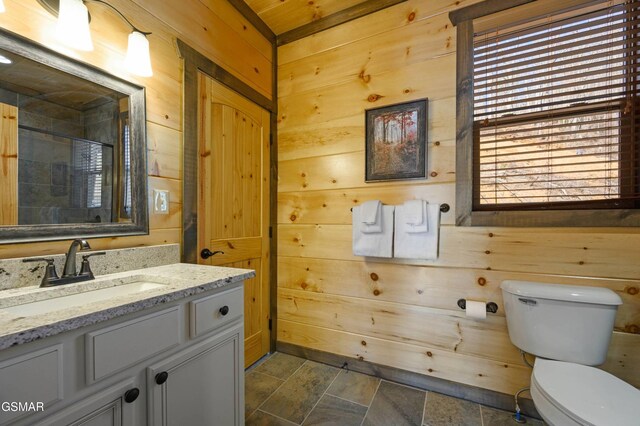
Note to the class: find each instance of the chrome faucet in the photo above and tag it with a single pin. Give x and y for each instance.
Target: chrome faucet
(70, 264)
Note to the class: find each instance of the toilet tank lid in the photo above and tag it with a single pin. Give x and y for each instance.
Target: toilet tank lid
(570, 293)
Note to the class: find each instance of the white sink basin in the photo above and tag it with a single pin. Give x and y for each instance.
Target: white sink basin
(80, 299)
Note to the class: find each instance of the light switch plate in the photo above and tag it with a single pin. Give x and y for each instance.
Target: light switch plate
(160, 201)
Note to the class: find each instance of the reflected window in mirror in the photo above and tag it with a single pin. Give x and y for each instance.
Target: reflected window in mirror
(124, 159)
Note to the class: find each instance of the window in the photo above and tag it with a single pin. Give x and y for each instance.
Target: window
(125, 167)
(88, 163)
(555, 117)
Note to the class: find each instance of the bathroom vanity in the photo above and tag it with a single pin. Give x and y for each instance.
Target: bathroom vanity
(158, 346)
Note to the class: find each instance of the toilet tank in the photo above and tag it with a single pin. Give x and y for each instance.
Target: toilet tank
(560, 322)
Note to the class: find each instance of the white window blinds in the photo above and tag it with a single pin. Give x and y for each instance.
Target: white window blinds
(556, 111)
(88, 162)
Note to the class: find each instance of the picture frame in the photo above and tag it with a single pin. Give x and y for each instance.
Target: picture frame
(396, 141)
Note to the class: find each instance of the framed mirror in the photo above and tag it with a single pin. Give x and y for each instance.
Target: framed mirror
(72, 148)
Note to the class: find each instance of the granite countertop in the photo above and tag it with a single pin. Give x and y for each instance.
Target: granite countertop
(180, 280)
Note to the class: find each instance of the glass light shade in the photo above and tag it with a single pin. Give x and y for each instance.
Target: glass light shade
(73, 25)
(138, 60)
(2, 9)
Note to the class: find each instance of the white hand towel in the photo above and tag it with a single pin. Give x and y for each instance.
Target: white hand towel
(378, 244)
(414, 227)
(370, 212)
(414, 212)
(422, 245)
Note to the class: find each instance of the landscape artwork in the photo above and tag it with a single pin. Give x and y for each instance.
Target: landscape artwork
(396, 142)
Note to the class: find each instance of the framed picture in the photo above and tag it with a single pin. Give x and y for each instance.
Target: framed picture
(396, 142)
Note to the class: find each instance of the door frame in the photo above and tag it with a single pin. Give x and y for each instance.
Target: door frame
(195, 62)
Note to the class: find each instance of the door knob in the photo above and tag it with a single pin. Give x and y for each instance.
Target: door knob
(206, 253)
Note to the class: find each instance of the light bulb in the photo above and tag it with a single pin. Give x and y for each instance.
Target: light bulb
(2, 9)
(73, 25)
(138, 60)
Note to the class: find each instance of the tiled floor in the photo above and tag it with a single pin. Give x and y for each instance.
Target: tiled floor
(285, 390)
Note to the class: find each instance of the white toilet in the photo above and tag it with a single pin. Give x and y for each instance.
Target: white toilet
(568, 328)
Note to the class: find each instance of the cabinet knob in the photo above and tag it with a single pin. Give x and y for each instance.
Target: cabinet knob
(224, 310)
(131, 395)
(162, 377)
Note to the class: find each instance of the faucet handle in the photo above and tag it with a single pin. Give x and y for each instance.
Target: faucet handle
(50, 272)
(85, 268)
(98, 253)
(39, 259)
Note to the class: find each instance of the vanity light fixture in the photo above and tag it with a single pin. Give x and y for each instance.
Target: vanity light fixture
(138, 59)
(74, 18)
(72, 27)
(2, 9)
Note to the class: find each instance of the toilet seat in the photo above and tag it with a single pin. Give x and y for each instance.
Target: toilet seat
(586, 395)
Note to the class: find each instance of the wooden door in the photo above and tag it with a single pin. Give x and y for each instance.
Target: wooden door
(233, 199)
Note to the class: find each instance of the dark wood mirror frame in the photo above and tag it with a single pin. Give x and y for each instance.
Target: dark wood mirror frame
(139, 224)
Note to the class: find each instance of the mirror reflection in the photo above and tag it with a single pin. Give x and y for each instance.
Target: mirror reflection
(65, 147)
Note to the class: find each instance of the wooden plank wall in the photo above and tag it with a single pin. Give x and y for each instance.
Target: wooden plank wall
(400, 313)
(213, 27)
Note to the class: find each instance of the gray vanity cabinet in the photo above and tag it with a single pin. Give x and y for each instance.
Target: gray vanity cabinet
(176, 364)
(190, 388)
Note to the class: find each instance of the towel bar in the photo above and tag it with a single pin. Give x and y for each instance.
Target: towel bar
(444, 208)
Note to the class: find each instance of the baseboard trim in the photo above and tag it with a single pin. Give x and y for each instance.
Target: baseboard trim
(482, 396)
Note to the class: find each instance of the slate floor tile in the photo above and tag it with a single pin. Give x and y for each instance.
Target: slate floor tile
(300, 393)
(441, 410)
(257, 388)
(285, 390)
(395, 405)
(332, 411)
(355, 387)
(260, 418)
(280, 365)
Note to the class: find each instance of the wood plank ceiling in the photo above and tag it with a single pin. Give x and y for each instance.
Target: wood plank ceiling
(284, 15)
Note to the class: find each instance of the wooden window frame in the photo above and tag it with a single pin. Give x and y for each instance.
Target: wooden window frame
(465, 155)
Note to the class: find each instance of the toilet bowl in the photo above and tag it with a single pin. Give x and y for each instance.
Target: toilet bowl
(566, 393)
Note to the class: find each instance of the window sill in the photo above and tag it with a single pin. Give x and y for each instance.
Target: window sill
(551, 218)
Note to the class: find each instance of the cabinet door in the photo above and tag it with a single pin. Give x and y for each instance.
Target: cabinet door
(203, 385)
(115, 406)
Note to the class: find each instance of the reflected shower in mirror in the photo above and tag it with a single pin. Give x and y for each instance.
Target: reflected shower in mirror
(69, 140)
(72, 144)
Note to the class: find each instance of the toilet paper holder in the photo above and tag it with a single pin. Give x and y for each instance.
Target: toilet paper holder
(492, 307)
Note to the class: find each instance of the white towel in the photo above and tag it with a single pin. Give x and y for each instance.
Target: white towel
(378, 244)
(414, 212)
(371, 213)
(413, 222)
(423, 245)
